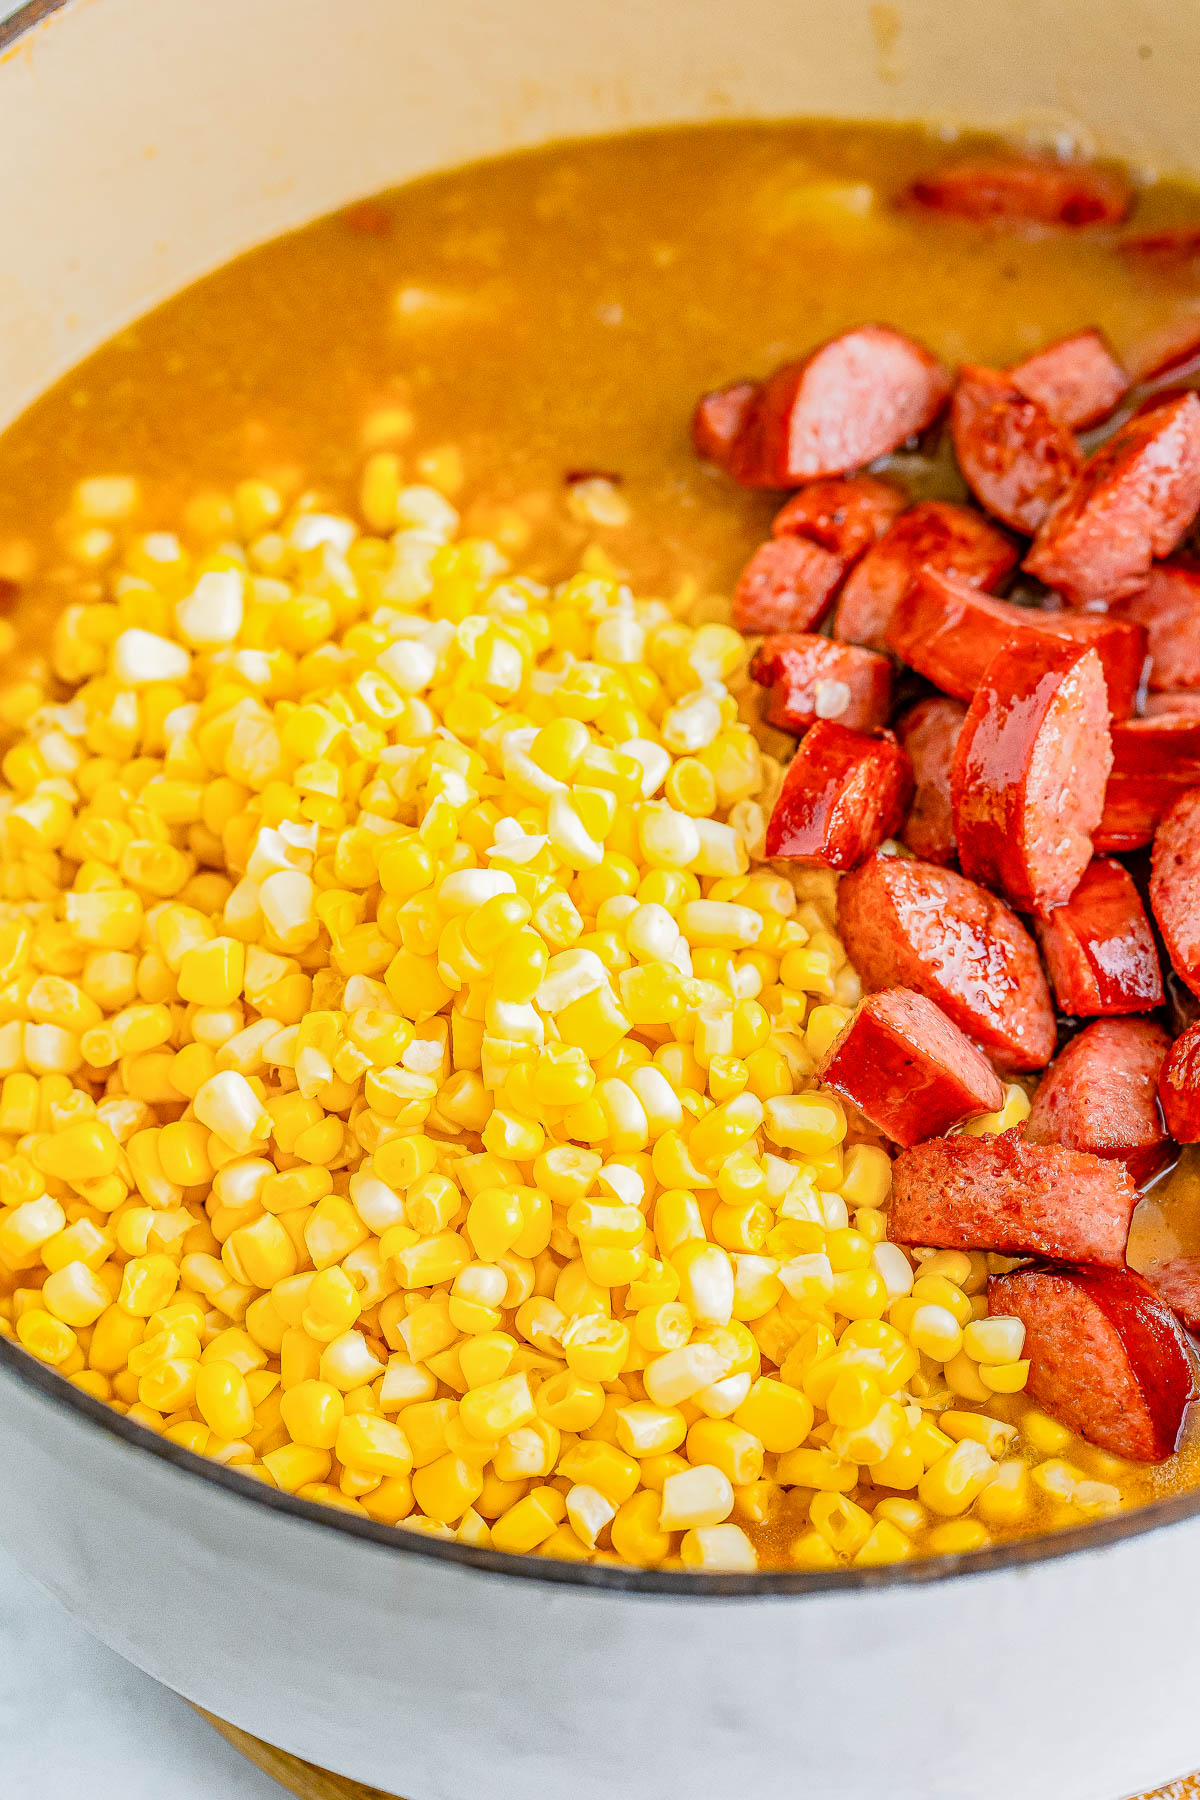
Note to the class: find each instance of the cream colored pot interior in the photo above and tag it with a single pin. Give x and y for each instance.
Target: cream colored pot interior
(120, 186)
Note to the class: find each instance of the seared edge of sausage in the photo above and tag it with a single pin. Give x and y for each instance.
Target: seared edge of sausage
(1175, 886)
(1098, 947)
(1179, 1087)
(1101, 1095)
(909, 1069)
(843, 793)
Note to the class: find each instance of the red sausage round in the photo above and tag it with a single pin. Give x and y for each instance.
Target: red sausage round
(1033, 189)
(933, 534)
(1179, 1087)
(720, 418)
(844, 516)
(1169, 607)
(1101, 1095)
(1154, 761)
(842, 794)
(950, 632)
(911, 924)
(1027, 786)
(788, 585)
(1078, 379)
(1098, 947)
(1175, 886)
(1005, 1194)
(1107, 1356)
(1015, 456)
(929, 732)
(908, 1069)
(1133, 502)
(810, 678)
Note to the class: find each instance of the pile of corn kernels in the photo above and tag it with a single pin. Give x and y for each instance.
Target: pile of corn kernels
(407, 1068)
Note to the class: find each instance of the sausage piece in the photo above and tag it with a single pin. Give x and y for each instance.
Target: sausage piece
(929, 732)
(788, 585)
(1015, 456)
(810, 678)
(1178, 1283)
(1098, 947)
(1154, 761)
(1078, 379)
(1175, 886)
(856, 397)
(1004, 1193)
(950, 632)
(1034, 189)
(1179, 1087)
(720, 418)
(933, 534)
(1027, 786)
(1169, 607)
(1135, 498)
(911, 924)
(908, 1069)
(843, 793)
(1107, 1356)
(844, 516)
(1101, 1095)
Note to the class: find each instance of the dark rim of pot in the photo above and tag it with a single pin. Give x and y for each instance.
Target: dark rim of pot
(767, 1584)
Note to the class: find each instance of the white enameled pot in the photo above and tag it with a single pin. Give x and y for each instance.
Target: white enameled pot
(143, 142)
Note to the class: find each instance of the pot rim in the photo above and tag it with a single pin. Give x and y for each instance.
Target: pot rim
(1021, 1553)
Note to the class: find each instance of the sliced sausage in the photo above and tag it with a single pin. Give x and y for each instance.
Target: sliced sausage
(1101, 1095)
(719, 420)
(1027, 786)
(1136, 497)
(788, 585)
(1004, 1193)
(950, 632)
(1154, 761)
(934, 534)
(1078, 379)
(1037, 190)
(1179, 1087)
(1169, 607)
(1175, 886)
(844, 516)
(929, 732)
(809, 678)
(1106, 1354)
(911, 924)
(1015, 456)
(908, 1069)
(1098, 947)
(1178, 1283)
(842, 794)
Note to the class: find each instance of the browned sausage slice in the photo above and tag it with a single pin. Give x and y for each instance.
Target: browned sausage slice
(1133, 502)
(844, 516)
(934, 534)
(1098, 947)
(908, 1069)
(929, 732)
(1169, 607)
(1179, 1087)
(842, 795)
(911, 924)
(949, 632)
(1015, 456)
(1033, 189)
(1077, 379)
(1027, 786)
(1002, 1193)
(810, 678)
(1175, 886)
(1154, 761)
(720, 418)
(1107, 1356)
(1101, 1095)
(852, 399)
(788, 585)
(1178, 1283)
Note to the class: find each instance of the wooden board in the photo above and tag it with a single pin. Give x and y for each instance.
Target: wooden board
(309, 1783)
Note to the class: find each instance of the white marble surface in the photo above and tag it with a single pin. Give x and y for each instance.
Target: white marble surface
(77, 1721)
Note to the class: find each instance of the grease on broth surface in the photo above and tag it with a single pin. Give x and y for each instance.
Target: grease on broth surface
(530, 335)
